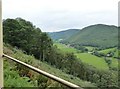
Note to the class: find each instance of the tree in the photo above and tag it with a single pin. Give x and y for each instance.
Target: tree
(24, 35)
(11, 29)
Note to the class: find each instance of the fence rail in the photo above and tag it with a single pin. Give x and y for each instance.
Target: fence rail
(62, 81)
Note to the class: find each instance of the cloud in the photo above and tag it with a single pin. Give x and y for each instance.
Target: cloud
(54, 15)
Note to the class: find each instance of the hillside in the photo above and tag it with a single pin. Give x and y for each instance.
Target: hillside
(13, 72)
(63, 34)
(96, 35)
(72, 62)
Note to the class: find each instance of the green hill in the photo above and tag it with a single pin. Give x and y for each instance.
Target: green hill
(37, 49)
(96, 35)
(14, 72)
(63, 34)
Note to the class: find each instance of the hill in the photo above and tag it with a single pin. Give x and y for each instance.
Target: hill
(18, 74)
(95, 35)
(30, 40)
(63, 34)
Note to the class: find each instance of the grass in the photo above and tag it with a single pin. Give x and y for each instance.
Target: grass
(114, 62)
(18, 54)
(95, 61)
(66, 48)
(89, 48)
(107, 50)
(116, 53)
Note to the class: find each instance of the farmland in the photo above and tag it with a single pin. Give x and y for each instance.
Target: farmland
(90, 59)
(108, 50)
(86, 60)
(66, 48)
(95, 61)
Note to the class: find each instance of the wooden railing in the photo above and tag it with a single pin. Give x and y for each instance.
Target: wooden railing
(62, 81)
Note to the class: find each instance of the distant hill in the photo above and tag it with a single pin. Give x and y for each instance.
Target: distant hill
(62, 35)
(96, 35)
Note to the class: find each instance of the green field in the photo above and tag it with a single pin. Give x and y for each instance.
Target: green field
(66, 48)
(95, 61)
(89, 48)
(116, 54)
(114, 62)
(107, 50)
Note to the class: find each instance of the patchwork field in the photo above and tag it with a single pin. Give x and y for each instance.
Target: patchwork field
(90, 59)
(65, 48)
(95, 61)
(107, 50)
(89, 48)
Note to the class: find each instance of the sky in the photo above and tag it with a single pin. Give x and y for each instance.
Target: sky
(57, 15)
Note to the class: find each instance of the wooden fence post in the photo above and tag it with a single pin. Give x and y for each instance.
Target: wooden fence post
(1, 47)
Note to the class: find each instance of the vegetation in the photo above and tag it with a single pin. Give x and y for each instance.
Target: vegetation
(62, 35)
(106, 51)
(73, 64)
(95, 61)
(66, 48)
(89, 48)
(102, 36)
(18, 73)
(23, 34)
(12, 77)
(85, 57)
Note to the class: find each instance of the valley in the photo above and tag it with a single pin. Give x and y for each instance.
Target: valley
(87, 57)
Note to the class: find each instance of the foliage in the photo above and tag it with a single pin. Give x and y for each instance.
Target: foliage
(23, 34)
(82, 68)
(99, 35)
(36, 78)
(79, 47)
(62, 35)
(13, 79)
(95, 61)
(66, 48)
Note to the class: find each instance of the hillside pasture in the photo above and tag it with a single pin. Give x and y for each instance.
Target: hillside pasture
(107, 50)
(89, 48)
(66, 48)
(90, 59)
(95, 61)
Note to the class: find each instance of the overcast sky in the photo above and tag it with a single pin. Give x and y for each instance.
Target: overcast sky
(56, 15)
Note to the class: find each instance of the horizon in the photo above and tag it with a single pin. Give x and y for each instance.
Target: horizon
(54, 16)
